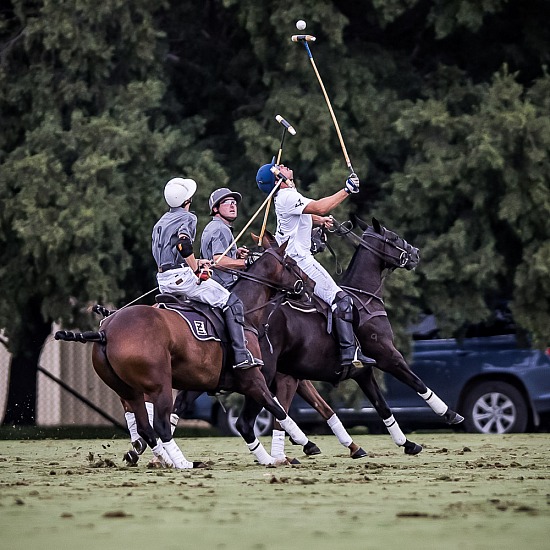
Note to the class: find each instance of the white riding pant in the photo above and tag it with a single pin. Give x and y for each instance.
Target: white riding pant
(325, 287)
(183, 281)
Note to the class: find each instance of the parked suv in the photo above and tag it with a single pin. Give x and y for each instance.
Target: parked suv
(498, 386)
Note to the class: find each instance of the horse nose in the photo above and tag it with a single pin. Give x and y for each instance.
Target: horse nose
(414, 258)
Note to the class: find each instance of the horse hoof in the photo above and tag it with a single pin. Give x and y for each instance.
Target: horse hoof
(359, 453)
(311, 449)
(199, 464)
(131, 458)
(293, 461)
(452, 417)
(412, 448)
(157, 463)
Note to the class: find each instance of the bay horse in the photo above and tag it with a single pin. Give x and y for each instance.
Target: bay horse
(299, 346)
(143, 350)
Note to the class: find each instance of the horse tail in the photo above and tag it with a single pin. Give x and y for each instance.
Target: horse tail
(82, 337)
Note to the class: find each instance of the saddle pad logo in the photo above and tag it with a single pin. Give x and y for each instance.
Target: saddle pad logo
(200, 328)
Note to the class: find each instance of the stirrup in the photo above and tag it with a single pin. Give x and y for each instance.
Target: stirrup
(359, 360)
(249, 362)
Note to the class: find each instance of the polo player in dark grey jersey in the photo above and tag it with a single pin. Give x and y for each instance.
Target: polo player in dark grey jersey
(218, 235)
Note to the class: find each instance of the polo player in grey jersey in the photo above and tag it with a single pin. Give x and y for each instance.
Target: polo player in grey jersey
(218, 235)
(179, 271)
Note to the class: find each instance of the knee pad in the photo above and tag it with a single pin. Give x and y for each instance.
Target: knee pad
(235, 305)
(343, 307)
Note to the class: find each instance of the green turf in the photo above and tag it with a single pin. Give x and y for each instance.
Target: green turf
(462, 492)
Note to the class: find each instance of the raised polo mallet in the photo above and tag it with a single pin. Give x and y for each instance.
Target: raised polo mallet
(304, 39)
(286, 127)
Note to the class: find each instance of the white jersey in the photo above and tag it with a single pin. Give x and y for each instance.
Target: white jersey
(292, 225)
(295, 227)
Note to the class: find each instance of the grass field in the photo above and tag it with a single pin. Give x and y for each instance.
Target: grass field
(462, 492)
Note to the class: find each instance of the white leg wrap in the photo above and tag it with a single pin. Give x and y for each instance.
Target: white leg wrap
(162, 455)
(176, 456)
(132, 426)
(434, 402)
(174, 419)
(395, 431)
(260, 453)
(339, 431)
(278, 444)
(292, 429)
(150, 412)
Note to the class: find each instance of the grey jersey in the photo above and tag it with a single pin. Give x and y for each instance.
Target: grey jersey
(175, 222)
(215, 239)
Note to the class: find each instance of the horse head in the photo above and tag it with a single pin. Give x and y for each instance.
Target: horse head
(393, 250)
(273, 268)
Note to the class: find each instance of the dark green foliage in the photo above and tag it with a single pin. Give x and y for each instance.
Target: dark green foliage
(443, 105)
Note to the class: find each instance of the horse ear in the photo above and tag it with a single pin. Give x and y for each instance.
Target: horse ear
(376, 225)
(268, 240)
(282, 248)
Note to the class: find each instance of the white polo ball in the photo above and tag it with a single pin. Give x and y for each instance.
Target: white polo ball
(300, 25)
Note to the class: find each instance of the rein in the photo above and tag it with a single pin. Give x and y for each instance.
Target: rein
(297, 288)
(344, 231)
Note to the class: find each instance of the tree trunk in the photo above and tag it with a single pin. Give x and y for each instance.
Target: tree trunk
(21, 405)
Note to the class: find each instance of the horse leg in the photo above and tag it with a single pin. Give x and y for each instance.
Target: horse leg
(307, 391)
(367, 382)
(394, 363)
(131, 457)
(252, 384)
(184, 400)
(146, 430)
(285, 389)
(163, 405)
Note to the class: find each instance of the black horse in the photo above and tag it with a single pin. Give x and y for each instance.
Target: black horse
(297, 342)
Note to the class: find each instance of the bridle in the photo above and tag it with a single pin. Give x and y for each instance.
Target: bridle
(287, 263)
(398, 256)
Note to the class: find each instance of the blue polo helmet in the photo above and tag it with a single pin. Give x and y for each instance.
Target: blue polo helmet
(265, 178)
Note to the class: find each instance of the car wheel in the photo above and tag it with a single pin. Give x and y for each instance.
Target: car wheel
(227, 419)
(495, 408)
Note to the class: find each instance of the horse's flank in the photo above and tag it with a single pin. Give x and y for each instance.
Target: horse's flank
(158, 337)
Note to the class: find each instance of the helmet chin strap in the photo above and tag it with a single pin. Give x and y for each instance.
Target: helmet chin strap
(218, 213)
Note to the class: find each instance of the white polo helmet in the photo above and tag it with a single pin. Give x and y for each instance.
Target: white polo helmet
(178, 190)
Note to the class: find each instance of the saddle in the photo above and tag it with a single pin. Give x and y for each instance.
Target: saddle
(204, 321)
(309, 303)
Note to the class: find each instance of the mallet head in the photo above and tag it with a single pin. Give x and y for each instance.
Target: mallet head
(303, 38)
(286, 124)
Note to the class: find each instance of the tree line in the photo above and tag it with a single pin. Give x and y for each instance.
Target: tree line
(443, 106)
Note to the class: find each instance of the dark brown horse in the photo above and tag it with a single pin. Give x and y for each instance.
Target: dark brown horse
(144, 350)
(301, 348)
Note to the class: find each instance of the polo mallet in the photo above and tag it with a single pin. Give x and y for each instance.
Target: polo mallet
(304, 39)
(286, 126)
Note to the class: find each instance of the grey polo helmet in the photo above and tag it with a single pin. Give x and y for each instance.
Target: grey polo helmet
(219, 195)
